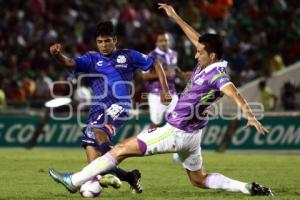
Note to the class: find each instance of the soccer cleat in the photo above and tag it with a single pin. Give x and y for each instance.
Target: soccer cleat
(256, 189)
(110, 180)
(64, 179)
(135, 183)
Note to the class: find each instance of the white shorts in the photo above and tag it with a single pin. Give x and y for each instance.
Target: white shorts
(157, 109)
(168, 139)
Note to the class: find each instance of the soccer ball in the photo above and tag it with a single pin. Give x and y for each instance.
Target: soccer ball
(91, 188)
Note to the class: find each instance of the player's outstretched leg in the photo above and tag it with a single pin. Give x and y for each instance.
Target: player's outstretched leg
(63, 178)
(99, 148)
(127, 148)
(219, 181)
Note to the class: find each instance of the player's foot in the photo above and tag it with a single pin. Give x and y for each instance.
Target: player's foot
(64, 179)
(135, 182)
(256, 189)
(110, 180)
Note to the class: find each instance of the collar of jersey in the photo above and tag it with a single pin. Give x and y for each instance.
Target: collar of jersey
(210, 67)
(111, 55)
(157, 50)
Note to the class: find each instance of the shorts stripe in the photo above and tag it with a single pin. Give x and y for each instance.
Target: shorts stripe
(161, 137)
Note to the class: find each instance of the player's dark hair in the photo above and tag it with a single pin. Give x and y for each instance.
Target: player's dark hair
(161, 32)
(105, 29)
(213, 44)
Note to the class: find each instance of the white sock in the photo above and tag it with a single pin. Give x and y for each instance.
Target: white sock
(101, 164)
(219, 181)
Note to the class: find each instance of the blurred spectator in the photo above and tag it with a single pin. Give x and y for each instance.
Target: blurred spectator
(2, 94)
(61, 88)
(276, 63)
(216, 9)
(16, 93)
(288, 96)
(2, 99)
(260, 36)
(43, 85)
(29, 87)
(267, 98)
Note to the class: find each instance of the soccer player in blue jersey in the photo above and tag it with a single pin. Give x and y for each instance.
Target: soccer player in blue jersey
(183, 130)
(110, 72)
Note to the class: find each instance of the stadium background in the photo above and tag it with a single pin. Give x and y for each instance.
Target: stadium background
(262, 42)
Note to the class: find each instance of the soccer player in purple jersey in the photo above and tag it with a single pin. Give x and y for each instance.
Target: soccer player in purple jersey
(168, 58)
(182, 133)
(110, 72)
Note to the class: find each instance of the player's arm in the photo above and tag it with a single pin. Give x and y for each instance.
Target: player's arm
(182, 74)
(187, 29)
(56, 52)
(165, 96)
(231, 91)
(150, 75)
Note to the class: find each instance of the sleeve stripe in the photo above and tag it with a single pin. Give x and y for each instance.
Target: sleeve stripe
(225, 85)
(216, 77)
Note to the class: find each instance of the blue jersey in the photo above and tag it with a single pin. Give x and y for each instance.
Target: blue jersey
(110, 79)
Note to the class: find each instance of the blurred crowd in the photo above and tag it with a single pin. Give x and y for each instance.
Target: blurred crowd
(261, 37)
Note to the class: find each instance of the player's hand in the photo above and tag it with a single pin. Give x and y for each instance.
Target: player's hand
(168, 9)
(260, 128)
(55, 49)
(165, 98)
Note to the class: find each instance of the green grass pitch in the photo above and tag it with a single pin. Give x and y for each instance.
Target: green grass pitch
(23, 175)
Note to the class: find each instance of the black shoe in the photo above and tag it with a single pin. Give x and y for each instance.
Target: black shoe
(135, 181)
(256, 189)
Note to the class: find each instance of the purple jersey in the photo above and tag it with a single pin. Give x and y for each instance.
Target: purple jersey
(203, 89)
(168, 60)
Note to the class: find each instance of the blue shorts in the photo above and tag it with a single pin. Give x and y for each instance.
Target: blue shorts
(104, 120)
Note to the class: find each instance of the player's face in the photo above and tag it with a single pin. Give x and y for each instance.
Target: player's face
(163, 42)
(204, 59)
(106, 44)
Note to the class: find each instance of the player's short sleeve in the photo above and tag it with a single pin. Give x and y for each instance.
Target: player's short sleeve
(220, 80)
(141, 61)
(83, 63)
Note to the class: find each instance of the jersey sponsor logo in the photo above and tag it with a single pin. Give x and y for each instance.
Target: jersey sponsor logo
(99, 63)
(121, 66)
(121, 59)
